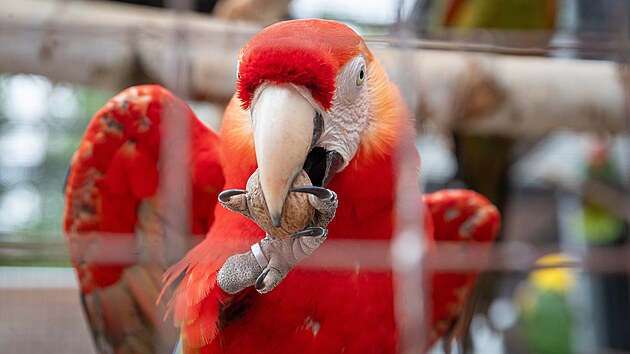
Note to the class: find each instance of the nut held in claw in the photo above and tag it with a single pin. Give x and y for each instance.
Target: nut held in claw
(297, 212)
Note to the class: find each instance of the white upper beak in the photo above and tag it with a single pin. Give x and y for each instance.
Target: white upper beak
(283, 132)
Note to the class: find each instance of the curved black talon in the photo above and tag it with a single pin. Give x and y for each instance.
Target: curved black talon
(229, 193)
(260, 281)
(310, 232)
(319, 192)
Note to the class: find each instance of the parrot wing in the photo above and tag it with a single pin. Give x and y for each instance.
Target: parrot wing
(458, 216)
(113, 216)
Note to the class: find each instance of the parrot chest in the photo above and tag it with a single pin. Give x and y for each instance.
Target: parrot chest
(318, 310)
(314, 311)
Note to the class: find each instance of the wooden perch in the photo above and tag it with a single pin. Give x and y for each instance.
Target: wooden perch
(517, 96)
(113, 46)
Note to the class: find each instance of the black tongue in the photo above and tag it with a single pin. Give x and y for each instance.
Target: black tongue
(322, 165)
(333, 164)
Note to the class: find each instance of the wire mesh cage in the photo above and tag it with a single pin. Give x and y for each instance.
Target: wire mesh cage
(524, 102)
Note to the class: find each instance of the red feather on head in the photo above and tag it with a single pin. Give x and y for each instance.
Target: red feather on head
(304, 68)
(290, 54)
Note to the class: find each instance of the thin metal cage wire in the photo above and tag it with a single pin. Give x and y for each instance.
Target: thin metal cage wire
(510, 257)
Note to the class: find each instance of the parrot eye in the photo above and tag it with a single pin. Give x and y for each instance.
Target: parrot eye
(361, 76)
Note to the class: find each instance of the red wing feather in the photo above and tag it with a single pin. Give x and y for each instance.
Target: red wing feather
(112, 218)
(458, 216)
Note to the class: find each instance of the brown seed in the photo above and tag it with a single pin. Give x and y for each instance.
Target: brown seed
(297, 212)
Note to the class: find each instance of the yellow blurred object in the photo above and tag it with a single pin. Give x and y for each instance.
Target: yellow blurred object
(559, 279)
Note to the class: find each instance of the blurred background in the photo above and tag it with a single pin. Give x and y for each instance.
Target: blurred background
(525, 101)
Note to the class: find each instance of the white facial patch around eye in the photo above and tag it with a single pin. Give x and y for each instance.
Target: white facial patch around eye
(348, 117)
(348, 85)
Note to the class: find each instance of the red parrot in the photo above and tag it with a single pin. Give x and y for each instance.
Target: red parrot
(310, 96)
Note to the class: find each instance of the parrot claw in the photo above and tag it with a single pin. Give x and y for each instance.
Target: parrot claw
(235, 200)
(268, 280)
(226, 195)
(323, 194)
(310, 232)
(260, 281)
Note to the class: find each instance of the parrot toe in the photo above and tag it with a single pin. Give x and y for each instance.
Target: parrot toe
(260, 281)
(238, 272)
(235, 200)
(268, 280)
(325, 203)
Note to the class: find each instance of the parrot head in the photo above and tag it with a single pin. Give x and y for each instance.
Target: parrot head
(313, 90)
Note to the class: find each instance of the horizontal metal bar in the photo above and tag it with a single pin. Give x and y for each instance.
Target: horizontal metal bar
(336, 254)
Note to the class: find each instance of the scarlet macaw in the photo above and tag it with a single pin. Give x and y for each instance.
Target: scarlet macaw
(310, 96)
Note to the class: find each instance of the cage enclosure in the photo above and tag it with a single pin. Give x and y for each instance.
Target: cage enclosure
(524, 102)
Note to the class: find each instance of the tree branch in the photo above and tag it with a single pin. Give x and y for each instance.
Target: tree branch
(114, 45)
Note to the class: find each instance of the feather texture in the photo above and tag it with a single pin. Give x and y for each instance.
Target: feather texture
(112, 188)
(112, 218)
(317, 311)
